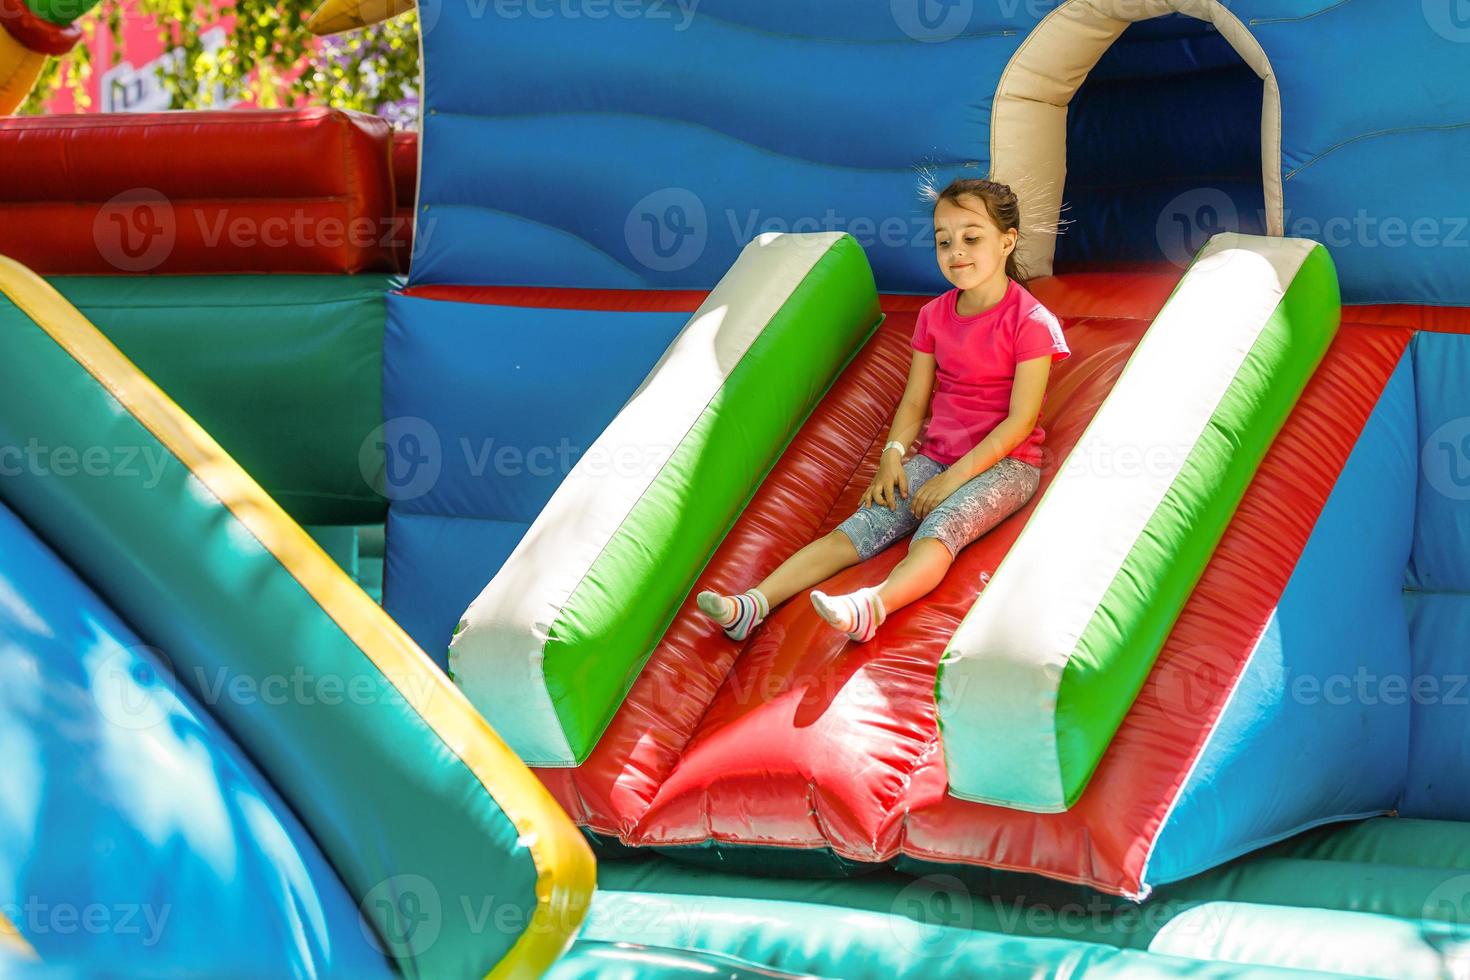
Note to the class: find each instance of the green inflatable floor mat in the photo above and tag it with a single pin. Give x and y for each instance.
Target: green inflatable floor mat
(1384, 897)
(801, 939)
(592, 959)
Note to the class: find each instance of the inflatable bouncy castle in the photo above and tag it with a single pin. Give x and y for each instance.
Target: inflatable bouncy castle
(356, 490)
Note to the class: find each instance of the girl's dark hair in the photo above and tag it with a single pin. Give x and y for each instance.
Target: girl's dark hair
(1000, 203)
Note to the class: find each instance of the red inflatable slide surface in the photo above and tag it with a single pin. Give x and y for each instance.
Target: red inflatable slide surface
(801, 743)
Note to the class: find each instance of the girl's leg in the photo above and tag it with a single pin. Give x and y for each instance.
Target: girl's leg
(860, 613)
(968, 513)
(856, 539)
(860, 537)
(740, 614)
(916, 576)
(819, 560)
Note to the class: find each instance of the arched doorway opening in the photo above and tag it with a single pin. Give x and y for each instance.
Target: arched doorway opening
(1029, 122)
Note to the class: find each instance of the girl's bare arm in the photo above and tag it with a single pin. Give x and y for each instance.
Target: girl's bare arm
(891, 482)
(1027, 391)
(914, 405)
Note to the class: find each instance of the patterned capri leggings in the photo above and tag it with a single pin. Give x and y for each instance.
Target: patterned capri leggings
(962, 517)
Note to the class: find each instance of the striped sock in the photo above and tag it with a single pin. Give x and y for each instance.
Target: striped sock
(737, 614)
(858, 614)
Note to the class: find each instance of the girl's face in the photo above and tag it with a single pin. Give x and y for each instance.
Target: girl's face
(971, 249)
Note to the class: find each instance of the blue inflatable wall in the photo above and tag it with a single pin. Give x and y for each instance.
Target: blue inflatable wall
(1437, 593)
(1341, 615)
(488, 408)
(643, 148)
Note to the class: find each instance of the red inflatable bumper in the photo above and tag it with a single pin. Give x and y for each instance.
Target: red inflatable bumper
(300, 190)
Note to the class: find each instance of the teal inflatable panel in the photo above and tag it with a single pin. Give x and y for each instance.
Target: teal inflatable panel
(816, 940)
(286, 372)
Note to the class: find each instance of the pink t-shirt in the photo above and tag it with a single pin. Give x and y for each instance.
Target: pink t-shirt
(975, 359)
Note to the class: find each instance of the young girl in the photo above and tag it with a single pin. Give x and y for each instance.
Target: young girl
(982, 355)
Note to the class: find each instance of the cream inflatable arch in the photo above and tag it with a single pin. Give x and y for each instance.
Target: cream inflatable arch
(1028, 125)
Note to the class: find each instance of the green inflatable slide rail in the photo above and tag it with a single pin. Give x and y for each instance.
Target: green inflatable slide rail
(1044, 667)
(552, 645)
(371, 740)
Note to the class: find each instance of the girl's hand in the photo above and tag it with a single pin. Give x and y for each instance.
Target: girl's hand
(889, 482)
(934, 493)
